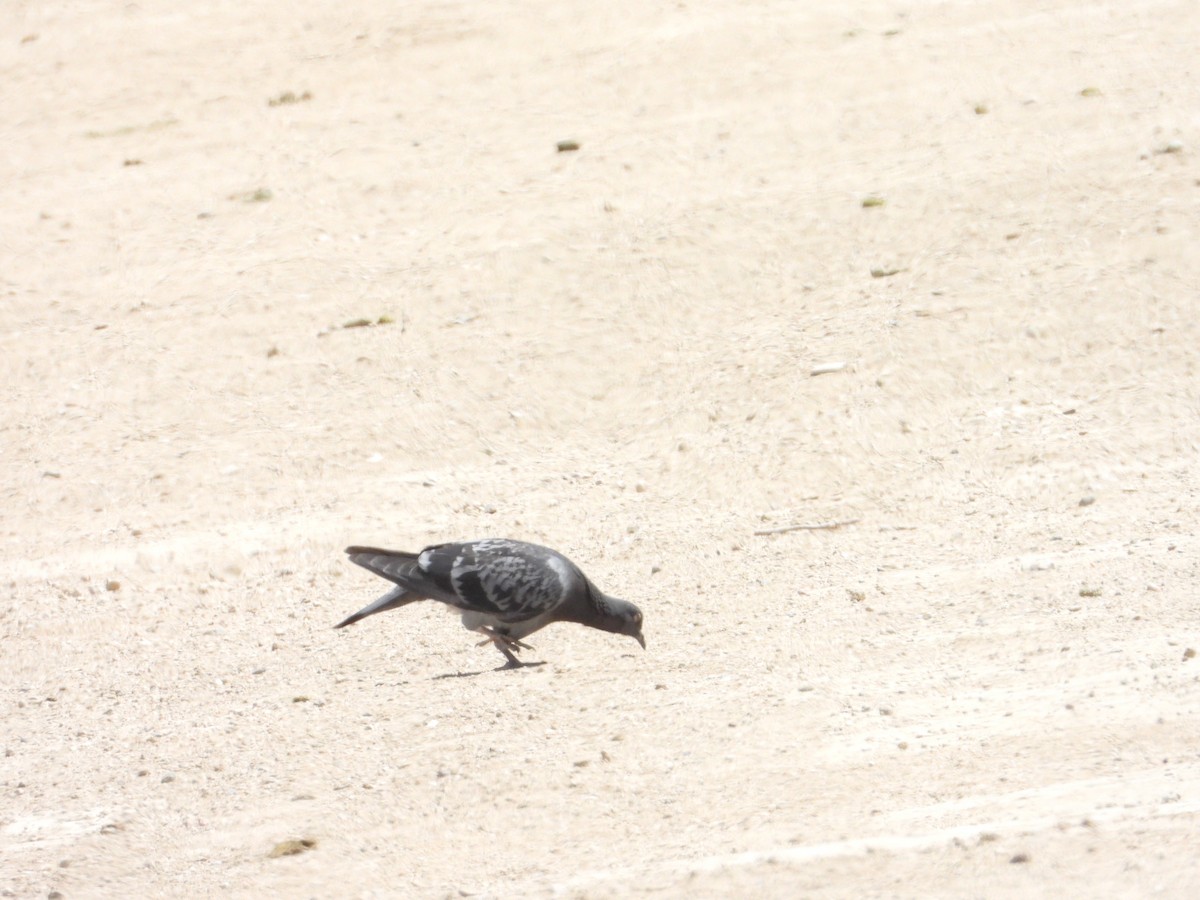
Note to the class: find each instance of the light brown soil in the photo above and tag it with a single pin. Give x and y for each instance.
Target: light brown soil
(983, 684)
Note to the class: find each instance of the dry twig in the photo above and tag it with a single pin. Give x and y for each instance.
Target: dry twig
(821, 526)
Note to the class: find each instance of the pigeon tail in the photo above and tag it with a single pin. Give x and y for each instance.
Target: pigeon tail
(397, 596)
(397, 566)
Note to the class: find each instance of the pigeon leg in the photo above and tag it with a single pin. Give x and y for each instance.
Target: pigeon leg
(497, 638)
(505, 645)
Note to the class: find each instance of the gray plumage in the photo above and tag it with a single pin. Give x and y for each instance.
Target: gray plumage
(505, 589)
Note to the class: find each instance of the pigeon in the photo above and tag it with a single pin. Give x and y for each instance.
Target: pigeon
(505, 589)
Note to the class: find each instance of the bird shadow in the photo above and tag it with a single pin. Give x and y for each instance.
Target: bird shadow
(504, 668)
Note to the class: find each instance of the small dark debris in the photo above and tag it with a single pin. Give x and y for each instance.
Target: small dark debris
(1020, 858)
(567, 146)
(291, 848)
(260, 195)
(289, 97)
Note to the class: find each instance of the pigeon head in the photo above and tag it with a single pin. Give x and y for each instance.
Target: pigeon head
(633, 625)
(618, 616)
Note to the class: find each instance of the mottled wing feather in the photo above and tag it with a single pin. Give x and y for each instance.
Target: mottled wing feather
(508, 579)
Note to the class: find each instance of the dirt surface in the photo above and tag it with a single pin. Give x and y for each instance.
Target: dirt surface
(978, 220)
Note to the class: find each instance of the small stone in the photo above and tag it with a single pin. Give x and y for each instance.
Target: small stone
(567, 146)
(1189, 653)
(1086, 501)
(168, 778)
(112, 585)
(1020, 858)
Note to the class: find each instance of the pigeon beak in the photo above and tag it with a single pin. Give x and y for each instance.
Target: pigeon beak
(641, 640)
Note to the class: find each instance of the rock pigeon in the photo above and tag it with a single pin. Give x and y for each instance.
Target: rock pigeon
(505, 589)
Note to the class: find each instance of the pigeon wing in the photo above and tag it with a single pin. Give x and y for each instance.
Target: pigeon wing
(510, 580)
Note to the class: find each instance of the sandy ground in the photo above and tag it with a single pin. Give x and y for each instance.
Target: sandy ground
(982, 684)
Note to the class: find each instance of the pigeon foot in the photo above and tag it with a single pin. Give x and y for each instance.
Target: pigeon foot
(506, 645)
